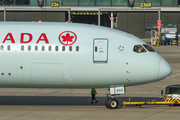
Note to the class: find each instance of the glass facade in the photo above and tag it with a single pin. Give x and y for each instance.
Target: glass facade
(48, 2)
(103, 2)
(119, 2)
(6, 2)
(137, 2)
(169, 2)
(33, 3)
(165, 3)
(22, 2)
(154, 2)
(70, 2)
(86, 3)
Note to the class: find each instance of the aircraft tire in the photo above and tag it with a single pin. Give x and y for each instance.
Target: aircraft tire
(106, 102)
(113, 103)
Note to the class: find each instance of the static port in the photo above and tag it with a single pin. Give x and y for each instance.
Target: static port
(21, 67)
(9, 73)
(2, 73)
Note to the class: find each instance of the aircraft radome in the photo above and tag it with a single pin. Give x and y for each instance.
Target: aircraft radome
(69, 55)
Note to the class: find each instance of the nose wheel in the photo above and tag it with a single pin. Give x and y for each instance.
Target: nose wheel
(111, 103)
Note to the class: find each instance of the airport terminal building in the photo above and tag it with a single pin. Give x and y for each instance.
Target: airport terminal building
(138, 18)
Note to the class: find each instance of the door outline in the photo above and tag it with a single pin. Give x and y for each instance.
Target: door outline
(100, 61)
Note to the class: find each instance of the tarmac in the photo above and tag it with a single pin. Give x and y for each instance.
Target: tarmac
(74, 104)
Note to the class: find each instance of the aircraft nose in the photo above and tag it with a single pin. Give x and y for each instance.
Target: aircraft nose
(164, 68)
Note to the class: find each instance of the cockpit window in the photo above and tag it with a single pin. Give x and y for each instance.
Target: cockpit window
(139, 49)
(149, 48)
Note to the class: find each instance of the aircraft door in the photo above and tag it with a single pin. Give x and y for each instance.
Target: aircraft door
(100, 50)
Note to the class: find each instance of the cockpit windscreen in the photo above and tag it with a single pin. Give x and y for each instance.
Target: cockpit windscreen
(149, 48)
(139, 49)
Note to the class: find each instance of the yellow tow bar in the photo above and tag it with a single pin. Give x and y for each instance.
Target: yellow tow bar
(153, 102)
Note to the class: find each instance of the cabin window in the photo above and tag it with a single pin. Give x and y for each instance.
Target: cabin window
(22, 47)
(77, 48)
(139, 49)
(36, 48)
(63, 48)
(8, 47)
(2, 47)
(56, 48)
(29, 48)
(70, 48)
(149, 48)
(49, 48)
(43, 48)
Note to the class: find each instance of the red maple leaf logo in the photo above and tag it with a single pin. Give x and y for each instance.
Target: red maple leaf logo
(67, 38)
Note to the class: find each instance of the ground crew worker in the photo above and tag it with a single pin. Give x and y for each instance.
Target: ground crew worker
(93, 93)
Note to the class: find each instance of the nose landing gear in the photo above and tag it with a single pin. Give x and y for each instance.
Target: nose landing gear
(114, 90)
(111, 103)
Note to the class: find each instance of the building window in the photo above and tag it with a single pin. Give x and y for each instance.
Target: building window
(103, 2)
(119, 2)
(8, 47)
(70, 2)
(29, 48)
(22, 47)
(63, 48)
(16, 2)
(43, 48)
(56, 48)
(137, 2)
(169, 3)
(86, 2)
(23, 2)
(49, 48)
(154, 2)
(34, 3)
(6, 2)
(1, 2)
(36, 48)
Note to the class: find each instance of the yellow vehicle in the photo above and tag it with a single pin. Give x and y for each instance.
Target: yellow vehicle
(172, 92)
(171, 97)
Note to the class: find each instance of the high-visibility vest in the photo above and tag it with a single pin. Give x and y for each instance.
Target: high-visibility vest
(93, 91)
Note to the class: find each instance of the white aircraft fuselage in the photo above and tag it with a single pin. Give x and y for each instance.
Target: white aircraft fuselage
(68, 55)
